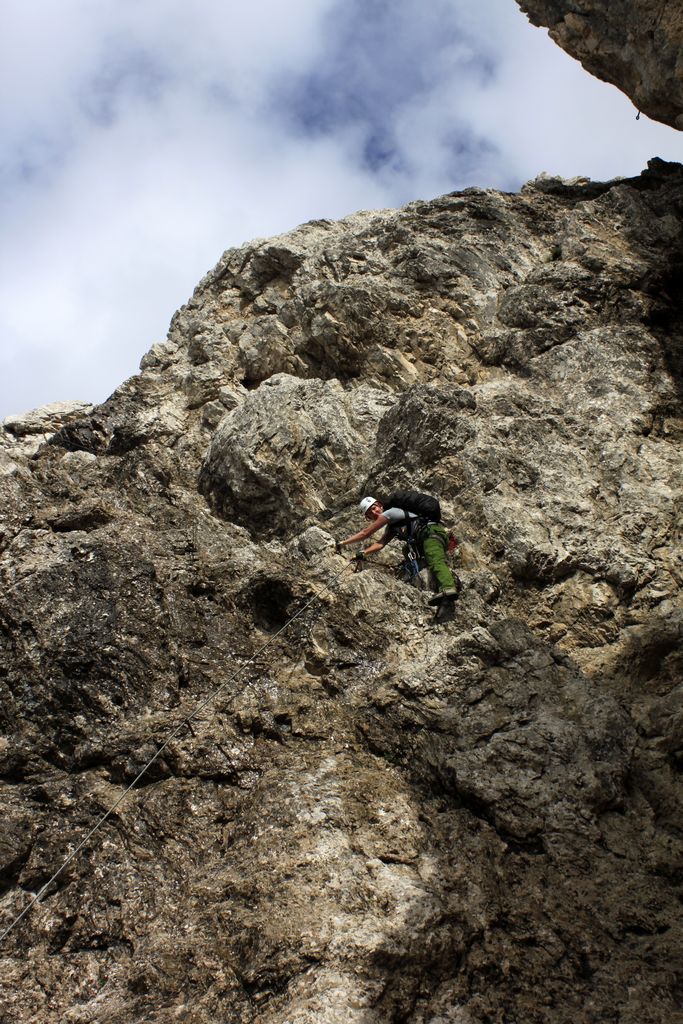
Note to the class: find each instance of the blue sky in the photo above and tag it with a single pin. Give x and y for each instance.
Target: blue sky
(140, 138)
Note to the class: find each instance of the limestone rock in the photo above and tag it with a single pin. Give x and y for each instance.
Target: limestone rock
(25, 432)
(636, 46)
(353, 811)
(288, 451)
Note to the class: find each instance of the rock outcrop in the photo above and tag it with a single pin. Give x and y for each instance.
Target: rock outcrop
(379, 816)
(636, 45)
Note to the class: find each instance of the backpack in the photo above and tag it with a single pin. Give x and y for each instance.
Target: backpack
(422, 505)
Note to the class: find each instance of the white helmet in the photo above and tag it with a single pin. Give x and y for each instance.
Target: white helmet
(367, 503)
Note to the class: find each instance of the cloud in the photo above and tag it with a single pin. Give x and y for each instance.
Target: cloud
(453, 94)
(145, 137)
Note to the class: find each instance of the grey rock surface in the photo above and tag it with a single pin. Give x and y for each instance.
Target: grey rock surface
(636, 45)
(380, 816)
(25, 432)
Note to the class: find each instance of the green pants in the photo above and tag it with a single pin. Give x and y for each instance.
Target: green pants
(434, 543)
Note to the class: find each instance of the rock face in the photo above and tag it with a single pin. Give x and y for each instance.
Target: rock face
(636, 45)
(379, 816)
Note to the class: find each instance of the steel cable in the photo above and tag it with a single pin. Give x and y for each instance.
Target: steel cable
(204, 704)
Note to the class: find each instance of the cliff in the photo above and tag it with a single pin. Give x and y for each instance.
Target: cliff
(636, 45)
(380, 816)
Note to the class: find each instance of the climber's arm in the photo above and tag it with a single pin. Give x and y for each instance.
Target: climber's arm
(356, 538)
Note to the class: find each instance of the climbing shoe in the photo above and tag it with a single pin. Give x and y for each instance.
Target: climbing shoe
(448, 594)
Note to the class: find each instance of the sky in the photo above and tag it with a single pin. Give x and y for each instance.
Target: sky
(141, 138)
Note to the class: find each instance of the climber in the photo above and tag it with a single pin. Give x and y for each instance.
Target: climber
(422, 530)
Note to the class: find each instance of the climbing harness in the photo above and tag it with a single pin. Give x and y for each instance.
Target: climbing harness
(186, 722)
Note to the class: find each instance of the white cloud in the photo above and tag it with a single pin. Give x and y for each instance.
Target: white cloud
(145, 137)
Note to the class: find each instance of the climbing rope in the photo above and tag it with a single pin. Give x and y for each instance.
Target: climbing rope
(204, 704)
